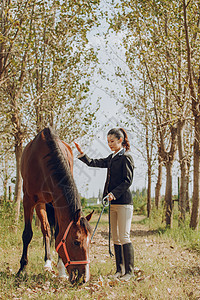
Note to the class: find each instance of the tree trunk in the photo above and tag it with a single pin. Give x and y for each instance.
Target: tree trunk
(196, 112)
(168, 159)
(183, 168)
(183, 190)
(158, 183)
(18, 184)
(194, 221)
(149, 193)
(187, 187)
(168, 195)
(10, 193)
(5, 182)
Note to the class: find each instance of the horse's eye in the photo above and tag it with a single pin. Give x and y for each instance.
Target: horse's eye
(76, 243)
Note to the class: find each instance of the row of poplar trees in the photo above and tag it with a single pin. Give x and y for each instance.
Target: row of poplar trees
(162, 49)
(46, 66)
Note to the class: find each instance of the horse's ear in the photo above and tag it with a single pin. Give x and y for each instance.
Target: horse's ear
(88, 217)
(77, 215)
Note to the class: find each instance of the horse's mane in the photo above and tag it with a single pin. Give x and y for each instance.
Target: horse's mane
(61, 171)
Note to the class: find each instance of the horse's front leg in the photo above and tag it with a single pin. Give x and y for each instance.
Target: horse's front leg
(27, 233)
(60, 264)
(45, 228)
(61, 268)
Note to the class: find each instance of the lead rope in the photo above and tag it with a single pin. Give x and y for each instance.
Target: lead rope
(110, 252)
(104, 205)
(105, 202)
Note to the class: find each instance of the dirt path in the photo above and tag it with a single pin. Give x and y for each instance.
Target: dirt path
(163, 269)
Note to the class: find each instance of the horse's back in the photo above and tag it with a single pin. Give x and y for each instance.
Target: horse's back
(34, 164)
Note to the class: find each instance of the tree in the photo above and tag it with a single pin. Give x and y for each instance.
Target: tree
(155, 45)
(42, 72)
(14, 47)
(194, 86)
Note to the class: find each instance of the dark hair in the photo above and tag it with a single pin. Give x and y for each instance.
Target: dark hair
(120, 133)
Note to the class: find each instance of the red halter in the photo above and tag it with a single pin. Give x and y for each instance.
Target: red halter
(62, 242)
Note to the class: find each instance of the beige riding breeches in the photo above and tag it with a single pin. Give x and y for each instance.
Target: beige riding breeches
(120, 220)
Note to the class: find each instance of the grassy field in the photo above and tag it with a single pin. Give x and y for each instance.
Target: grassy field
(167, 265)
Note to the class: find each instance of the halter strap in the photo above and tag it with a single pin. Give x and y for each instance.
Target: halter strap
(62, 243)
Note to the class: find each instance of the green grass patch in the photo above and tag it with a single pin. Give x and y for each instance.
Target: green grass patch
(180, 233)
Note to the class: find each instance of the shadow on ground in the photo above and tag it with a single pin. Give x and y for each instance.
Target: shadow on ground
(139, 232)
(134, 233)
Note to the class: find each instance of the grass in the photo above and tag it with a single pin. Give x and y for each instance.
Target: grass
(166, 263)
(181, 234)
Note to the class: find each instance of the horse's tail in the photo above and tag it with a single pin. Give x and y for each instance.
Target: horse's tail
(51, 219)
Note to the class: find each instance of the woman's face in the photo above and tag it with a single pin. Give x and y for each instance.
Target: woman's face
(114, 143)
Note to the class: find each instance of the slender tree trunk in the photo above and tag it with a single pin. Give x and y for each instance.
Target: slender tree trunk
(158, 183)
(149, 193)
(5, 181)
(18, 184)
(18, 134)
(183, 168)
(194, 221)
(10, 193)
(196, 112)
(168, 195)
(187, 187)
(168, 159)
(149, 160)
(183, 190)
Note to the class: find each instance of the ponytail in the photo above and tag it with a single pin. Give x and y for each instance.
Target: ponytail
(121, 133)
(125, 143)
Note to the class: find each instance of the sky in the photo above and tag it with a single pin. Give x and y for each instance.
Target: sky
(110, 55)
(111, 114)
(90, 180)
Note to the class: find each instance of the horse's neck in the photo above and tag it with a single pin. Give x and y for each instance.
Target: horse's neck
(63, 215)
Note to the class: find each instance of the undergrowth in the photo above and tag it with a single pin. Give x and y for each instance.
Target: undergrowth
(181, 233)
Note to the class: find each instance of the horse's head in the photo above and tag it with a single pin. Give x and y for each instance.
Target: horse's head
(75, 250)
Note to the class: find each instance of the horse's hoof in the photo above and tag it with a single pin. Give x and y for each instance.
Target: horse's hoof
(48, 266)
(61, 269)
(21, 274)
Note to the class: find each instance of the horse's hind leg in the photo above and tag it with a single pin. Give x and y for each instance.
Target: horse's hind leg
(27, 233)
(42, 215)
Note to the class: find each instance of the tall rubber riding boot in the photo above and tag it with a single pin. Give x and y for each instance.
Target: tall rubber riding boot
(118, 260)
(128, 252)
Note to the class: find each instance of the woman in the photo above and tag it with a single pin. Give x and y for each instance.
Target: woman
(120, 168)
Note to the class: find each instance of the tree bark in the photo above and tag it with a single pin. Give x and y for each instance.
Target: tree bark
(187, 187)
(168, 159)
(158, 183)
(5, 181)
(168, 195)
(196, 112)
(183, 168)
(149, 193)
(194, 221)
(149, 159)
(10, 193)
(18, 184)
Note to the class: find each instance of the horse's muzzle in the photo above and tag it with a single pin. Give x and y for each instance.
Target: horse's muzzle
(77, 277)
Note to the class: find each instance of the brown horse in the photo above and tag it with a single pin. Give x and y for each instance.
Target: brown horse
(46, 168)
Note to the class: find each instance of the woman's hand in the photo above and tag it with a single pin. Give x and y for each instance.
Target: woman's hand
(111, 197)
(78, 148)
